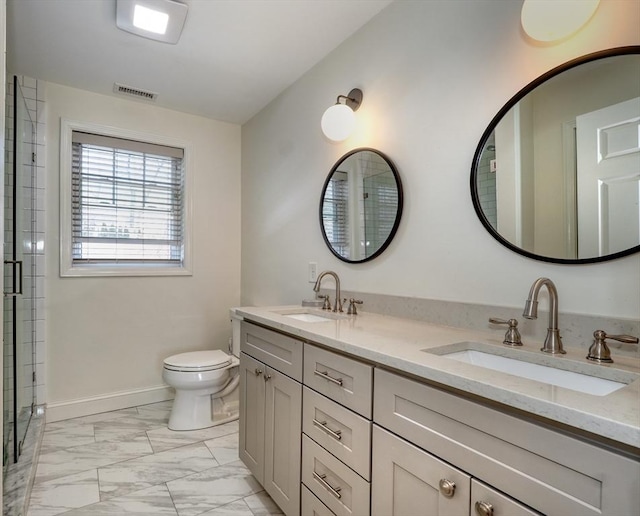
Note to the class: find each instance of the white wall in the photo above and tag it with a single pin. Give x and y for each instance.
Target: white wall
(110, 335)
(3, 50)
(433, 74)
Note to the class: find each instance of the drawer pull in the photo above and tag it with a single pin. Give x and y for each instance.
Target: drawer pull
(484, 509)
(325, 375)
(336, 434)
(447, 487)
(335, 491)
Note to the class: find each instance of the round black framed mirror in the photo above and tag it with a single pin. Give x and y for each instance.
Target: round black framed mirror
(556, 174)
(361, 205)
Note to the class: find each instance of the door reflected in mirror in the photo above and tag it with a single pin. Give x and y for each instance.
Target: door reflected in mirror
(557, 173)
(360, 205)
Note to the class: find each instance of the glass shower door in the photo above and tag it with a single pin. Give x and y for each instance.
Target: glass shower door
(19, 299)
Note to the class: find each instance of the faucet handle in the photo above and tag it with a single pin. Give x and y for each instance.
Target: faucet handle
(512, 336)
(599, 351)
(327, 304)
(352, 306)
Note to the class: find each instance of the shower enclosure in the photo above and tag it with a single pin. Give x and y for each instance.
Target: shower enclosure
(19, 274)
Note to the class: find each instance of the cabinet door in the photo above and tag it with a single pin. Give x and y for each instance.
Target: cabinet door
(486, 501)
(252, 395)
(407, 481)
(283, 422)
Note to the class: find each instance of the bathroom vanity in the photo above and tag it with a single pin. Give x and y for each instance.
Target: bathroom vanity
(368, 415)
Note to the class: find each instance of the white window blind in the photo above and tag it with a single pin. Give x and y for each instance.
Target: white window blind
(127, 202)
(380, 209)
(335, 213)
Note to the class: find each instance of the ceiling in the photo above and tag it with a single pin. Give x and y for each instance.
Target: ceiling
(233, 58)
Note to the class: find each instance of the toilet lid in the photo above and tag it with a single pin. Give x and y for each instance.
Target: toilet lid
(198, 360)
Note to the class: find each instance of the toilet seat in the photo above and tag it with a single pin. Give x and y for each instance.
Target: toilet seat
(198, 361)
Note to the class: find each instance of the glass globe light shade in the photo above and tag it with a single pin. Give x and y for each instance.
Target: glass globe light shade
(546, 20)
(338, 122)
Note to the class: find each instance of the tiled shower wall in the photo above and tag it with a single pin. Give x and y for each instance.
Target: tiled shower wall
(487, 185)
(33, 250)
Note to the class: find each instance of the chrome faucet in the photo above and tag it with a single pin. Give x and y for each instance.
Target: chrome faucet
(316, 288)
(553, 342)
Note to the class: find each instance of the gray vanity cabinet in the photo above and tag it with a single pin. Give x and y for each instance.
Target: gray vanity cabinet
(332, 435)
(514, 463)
(270, 412)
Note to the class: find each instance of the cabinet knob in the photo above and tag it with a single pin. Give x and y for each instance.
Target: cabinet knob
(267, 377)
(258, 371)
(447, 487)
(484, 509)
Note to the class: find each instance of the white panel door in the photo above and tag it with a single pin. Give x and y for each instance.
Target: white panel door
(608, 179)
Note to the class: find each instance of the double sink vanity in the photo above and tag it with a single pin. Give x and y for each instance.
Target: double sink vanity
(367, 414)
(371, 414)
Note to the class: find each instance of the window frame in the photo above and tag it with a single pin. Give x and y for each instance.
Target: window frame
(67, 267)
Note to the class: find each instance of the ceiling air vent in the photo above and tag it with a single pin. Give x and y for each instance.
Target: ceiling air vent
(134, 92)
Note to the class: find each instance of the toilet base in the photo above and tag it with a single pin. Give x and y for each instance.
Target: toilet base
(195, 411)
(226, 409)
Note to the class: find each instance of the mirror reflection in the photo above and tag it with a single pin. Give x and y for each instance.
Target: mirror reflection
(557, 173)
(360, 205)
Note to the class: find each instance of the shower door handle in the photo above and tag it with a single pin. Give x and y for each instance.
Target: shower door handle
(15, 292)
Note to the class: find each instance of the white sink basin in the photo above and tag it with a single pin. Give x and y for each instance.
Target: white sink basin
(523, 364)
(311, 315)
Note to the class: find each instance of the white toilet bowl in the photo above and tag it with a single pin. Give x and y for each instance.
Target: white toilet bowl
(198, 376)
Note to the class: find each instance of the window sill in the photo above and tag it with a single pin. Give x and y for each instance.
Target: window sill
(103, 271)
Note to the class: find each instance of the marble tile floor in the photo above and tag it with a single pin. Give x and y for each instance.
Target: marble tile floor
(129, 462)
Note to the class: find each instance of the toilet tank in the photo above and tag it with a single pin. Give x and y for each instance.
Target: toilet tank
(234, 346)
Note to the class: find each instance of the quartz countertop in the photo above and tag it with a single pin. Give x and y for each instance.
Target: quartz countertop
(400, 344)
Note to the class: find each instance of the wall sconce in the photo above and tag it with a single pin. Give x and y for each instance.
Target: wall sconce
(338, 122)
(546, 20)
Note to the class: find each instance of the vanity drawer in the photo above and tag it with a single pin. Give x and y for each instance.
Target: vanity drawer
(343, 433)
(347, 381)
(274, 349)
(336, 485)
(311, 506)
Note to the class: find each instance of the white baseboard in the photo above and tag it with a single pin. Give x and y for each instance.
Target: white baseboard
(107, 402)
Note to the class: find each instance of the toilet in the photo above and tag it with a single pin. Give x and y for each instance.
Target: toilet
(206, 385)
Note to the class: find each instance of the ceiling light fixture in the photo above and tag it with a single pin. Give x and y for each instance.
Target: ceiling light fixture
(339, 121)
(160, 20)
(547, 21)
(148, 19)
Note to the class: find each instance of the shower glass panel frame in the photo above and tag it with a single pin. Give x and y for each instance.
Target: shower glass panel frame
(19, 277)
